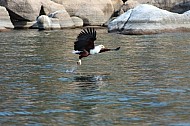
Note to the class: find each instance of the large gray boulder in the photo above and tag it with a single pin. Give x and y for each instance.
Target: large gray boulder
(5, 22)
(148, 19)
(93, 12)
(44, 22)
(57, 20)
(117, 4)
(22, 9)
(78, 22)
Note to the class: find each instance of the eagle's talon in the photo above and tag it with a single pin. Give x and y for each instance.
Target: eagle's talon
(79, 62)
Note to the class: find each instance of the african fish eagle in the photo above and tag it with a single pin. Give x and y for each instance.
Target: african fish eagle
(84, 45)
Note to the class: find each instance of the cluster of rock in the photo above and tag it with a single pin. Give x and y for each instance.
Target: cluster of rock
(130, 17)
(56, 14)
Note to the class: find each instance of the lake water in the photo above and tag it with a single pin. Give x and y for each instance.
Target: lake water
(146, 82)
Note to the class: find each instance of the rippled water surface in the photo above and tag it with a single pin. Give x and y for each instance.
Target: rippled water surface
(146, 82)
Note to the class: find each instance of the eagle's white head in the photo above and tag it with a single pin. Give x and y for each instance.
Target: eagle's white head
(96, 49)
(101, 46)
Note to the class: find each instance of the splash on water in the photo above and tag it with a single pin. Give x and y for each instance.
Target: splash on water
(98, 78)
(71, 70)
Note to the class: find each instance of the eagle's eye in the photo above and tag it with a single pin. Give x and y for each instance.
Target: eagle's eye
(102, 46)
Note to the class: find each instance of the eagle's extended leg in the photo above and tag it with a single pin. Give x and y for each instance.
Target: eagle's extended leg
(83, 54)
(79, 62)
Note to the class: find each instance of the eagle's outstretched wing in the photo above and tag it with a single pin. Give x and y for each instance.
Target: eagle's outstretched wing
(85, 40)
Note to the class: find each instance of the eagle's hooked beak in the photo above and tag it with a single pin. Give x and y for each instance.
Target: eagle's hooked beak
(102, 46)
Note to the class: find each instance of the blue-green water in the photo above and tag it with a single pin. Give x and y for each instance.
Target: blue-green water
(146, 82)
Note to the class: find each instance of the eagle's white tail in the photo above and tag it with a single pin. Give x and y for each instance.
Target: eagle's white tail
(76, 52)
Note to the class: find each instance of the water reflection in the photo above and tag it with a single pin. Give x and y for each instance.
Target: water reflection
(83, 104)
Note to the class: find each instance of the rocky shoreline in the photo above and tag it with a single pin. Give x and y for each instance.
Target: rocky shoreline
(131, 17)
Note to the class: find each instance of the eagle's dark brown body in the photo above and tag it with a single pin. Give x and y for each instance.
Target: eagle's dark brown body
(84, 45)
